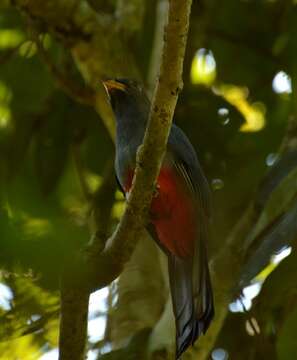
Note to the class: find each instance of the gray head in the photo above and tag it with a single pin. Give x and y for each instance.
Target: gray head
(128, 100)
(131, 108)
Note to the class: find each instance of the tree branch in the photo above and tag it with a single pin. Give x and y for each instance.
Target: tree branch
(74, 294)
(150, 154)
(108, 264)
(98, 269)
(73, 322)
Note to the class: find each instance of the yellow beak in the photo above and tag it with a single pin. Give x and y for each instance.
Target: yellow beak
(113, 85)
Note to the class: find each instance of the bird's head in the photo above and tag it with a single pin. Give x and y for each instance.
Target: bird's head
(126, 97)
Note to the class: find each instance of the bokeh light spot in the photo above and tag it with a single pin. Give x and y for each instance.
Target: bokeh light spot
(281, 83)
(203, 70)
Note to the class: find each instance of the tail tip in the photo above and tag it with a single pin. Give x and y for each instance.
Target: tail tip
(198, 328)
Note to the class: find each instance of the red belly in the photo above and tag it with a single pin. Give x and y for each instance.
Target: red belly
(173, 214)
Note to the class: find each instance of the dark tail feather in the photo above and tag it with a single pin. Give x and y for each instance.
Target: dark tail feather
(192, 299)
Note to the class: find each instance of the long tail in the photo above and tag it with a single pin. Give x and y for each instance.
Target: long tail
(191, 297)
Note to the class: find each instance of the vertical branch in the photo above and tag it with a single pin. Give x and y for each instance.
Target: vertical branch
(75, 298)
(149, 160)
(73, 322)
(150, 155)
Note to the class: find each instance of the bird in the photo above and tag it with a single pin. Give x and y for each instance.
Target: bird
(180, 211)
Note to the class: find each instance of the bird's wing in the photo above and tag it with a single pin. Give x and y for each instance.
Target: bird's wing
(191, 275)
(187, 165)
(196, 183)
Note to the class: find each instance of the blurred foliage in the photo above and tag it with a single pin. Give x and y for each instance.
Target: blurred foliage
(54, 153)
